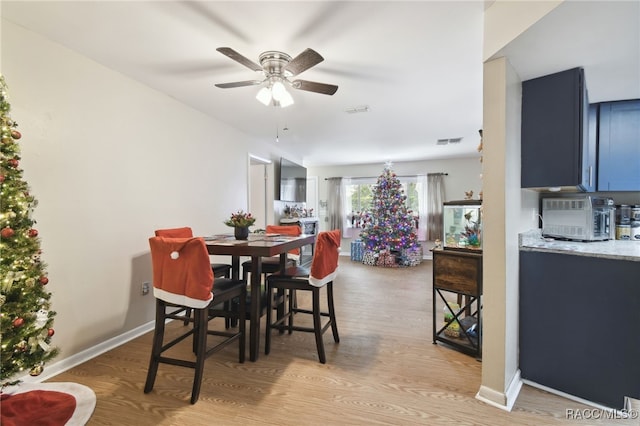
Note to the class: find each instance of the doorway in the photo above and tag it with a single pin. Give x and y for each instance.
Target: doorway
(260, 190)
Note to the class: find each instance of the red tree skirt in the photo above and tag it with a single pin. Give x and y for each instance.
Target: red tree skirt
(47, 404)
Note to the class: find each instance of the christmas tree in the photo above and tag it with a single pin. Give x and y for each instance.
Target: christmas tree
(25, 319)
(389, 226)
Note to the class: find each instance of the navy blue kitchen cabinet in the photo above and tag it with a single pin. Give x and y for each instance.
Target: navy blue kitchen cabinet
(619, 146)
(579, 325)
(556, 148)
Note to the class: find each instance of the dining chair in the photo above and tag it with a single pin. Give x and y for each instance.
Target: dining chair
(271, 265)
(324, 268)
(183, 278)
(219, 269)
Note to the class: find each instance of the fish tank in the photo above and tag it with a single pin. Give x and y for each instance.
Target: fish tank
(462, 222)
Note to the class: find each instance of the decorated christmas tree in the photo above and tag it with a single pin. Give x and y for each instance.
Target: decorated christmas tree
(389, 225)
(25, 316)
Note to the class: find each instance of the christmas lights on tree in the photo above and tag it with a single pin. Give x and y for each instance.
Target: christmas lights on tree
(390, 225)
(26, 321)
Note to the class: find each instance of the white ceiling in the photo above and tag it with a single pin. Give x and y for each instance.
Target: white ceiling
(416, 65)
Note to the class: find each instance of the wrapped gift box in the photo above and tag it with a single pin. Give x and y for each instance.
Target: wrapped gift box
(411, 256)
(386, 259)
(357, 250)
(369, 257)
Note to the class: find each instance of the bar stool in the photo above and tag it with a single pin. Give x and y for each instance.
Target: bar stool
(324, 268)
(183, 279)
(222, 270)
(219, 269)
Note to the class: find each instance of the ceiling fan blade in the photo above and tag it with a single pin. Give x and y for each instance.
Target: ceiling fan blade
(239, 58)
(238, 84)
(312, 86)
(303, 62)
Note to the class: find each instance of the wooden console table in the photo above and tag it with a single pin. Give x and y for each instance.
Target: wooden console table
(459, 273)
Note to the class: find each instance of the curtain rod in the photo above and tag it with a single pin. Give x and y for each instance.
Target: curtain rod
(374, 177)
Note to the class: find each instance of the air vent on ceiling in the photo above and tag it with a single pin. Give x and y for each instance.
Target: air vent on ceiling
(448, 141)
(353, 110)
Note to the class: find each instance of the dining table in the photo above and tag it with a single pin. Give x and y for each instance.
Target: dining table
(255, 246)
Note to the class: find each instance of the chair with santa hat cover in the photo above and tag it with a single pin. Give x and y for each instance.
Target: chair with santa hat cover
(219, 269)
(324, 268)
(183, 278)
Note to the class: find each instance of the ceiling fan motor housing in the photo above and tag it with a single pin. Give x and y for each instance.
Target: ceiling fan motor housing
(273, 63)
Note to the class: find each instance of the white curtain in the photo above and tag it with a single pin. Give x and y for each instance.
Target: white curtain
(335, 199)
(423, 208)
(436, 197)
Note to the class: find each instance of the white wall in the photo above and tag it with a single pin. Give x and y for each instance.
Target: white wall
(505, 20)
(110, 161)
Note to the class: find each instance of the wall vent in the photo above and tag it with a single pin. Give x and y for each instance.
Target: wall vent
(448, 141)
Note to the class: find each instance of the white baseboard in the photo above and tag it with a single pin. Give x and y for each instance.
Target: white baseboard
(567, 395)
(77, 359)
(502, 400)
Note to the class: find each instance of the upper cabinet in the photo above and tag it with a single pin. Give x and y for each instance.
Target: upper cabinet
(556, 148)
(619, 146)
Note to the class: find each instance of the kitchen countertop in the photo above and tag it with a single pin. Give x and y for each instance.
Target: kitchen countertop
(612, 249)
(298, 219)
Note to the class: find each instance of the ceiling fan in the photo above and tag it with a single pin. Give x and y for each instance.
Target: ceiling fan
(277, 68)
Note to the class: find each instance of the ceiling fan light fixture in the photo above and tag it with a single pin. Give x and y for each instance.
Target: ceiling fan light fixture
(275, 95)
(264, 96)
(286, 99)
(281, 95)
(278, 90)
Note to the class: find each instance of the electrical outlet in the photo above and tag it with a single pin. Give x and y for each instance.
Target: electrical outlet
(145, 288)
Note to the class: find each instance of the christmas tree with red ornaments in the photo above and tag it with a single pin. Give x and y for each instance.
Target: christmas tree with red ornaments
(389, 230)
(26, 318)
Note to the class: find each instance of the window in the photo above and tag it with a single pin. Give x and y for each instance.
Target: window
(359, 196)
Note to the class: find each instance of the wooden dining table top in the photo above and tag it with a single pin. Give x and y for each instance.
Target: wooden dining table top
(263, 245)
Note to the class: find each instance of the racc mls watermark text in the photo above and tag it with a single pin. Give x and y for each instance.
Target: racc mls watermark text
(601, 414)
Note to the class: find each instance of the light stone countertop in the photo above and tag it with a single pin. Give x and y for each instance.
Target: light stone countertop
(612, 249)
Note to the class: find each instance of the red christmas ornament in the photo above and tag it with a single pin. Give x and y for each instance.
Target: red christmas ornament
(16, 134)
(7, 232)
(44, 280)
(1, 178)
(51, 332)
(13, 163)
(18, 322)
(33, 233)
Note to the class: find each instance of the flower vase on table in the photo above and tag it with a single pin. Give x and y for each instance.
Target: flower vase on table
(241, 232)
(240, 222)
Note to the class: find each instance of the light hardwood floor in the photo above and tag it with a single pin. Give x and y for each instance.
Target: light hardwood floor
(384, 371)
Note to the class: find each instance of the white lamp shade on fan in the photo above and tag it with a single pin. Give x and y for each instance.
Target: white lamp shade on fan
(276, 95)
(264, 96)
